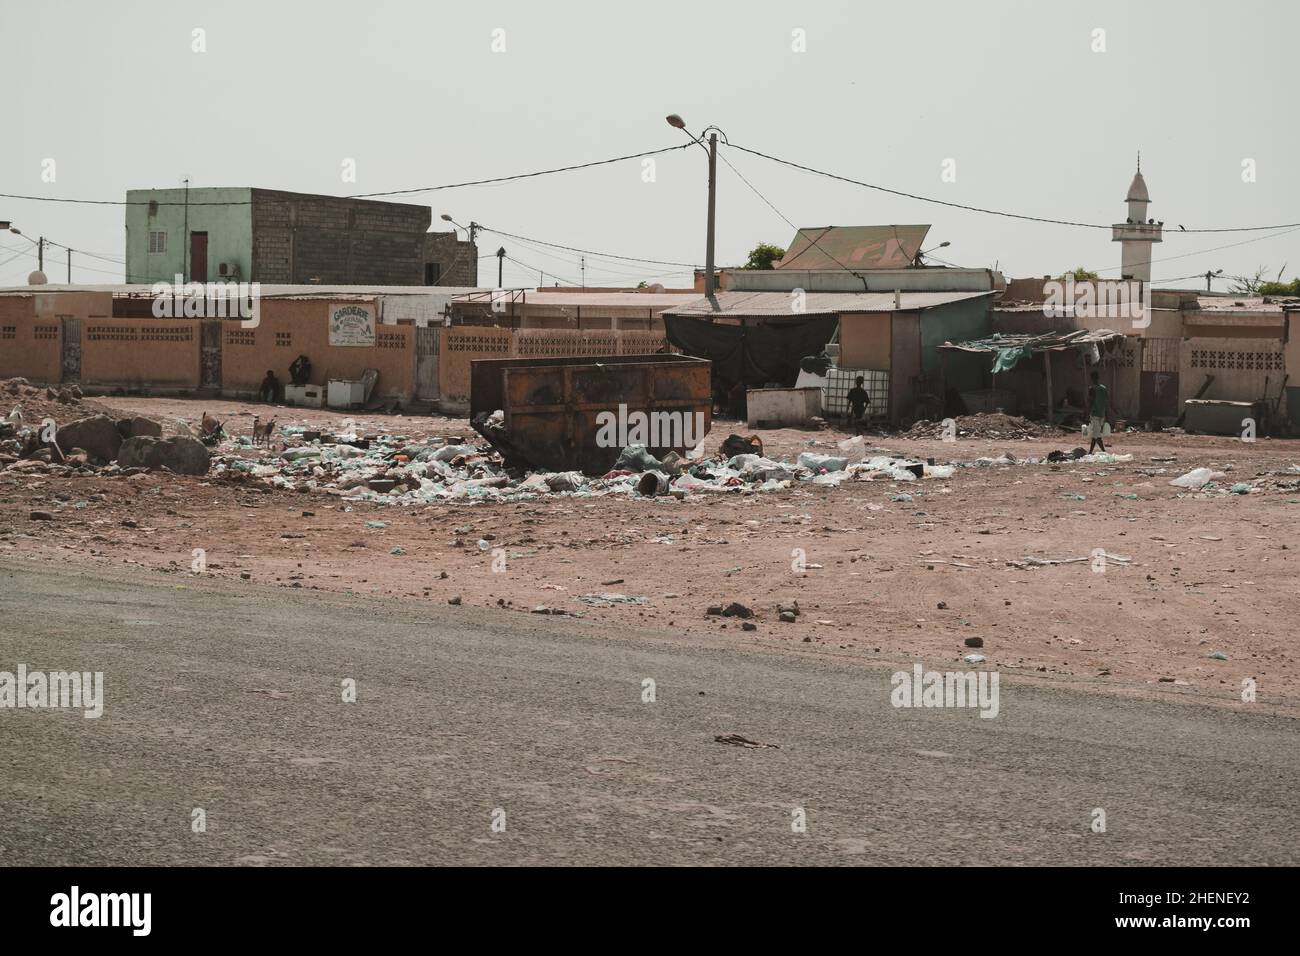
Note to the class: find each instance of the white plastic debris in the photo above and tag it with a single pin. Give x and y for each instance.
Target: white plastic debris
(1197, 478)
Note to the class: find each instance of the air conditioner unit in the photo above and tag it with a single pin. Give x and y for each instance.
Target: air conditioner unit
(228, 270)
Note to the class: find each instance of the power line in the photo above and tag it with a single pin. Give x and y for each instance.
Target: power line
(980, 209)
(1201, 252)
(812, 241)
(391, 192)
(588, 252)
(571, 262)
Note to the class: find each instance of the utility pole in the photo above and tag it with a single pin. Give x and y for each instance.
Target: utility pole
(501, 262)
(40, 254)
(676, 122)
(582, 261)
(185, 234)
(69, 267)
(713, 195)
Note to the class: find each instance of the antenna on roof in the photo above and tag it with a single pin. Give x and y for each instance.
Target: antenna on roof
(1139, 160)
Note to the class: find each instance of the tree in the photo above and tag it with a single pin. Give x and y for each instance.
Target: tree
(762, 255)
(1258, 285)
(1080, 274)
(1248, 285)
(1280, 288)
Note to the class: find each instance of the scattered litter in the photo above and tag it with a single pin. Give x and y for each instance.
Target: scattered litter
(1196, 479)
(735, 740)
(609, 600)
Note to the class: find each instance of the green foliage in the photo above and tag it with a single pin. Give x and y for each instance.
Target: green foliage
(1080, 274)
(762, 256)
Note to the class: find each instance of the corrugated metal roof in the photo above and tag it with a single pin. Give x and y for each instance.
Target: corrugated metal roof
(854, 247)
(1037, 342)
(816, 303)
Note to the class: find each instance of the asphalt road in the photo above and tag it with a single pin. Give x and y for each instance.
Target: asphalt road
(229, 698)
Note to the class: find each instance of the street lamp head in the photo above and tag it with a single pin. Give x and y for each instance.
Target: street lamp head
(675, 121)
(944, 245)
(446, 218)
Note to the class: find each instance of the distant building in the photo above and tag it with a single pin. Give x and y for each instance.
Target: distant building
(1138, 232)
(269, 236)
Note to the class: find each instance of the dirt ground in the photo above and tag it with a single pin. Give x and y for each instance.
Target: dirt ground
(883, 579)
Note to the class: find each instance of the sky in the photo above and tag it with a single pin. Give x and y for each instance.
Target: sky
(1016, 106)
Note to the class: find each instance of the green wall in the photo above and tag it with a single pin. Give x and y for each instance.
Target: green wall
(956, 322)
(225, 214)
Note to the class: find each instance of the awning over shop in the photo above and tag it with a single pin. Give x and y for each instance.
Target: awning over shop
(1011, 348)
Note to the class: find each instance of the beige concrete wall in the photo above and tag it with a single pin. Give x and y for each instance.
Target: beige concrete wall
(289, 327)
(139, 353)
(1239, 366)
(29, 347)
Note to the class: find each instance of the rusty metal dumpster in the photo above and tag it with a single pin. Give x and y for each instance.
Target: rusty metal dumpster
(577, 413)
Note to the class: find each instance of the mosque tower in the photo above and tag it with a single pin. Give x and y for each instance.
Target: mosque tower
(1138, 233)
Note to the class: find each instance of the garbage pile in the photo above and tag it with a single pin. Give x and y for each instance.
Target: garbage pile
(395, 470)
(994, 425)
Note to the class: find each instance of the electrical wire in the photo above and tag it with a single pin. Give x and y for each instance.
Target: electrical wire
(589, 252)
(392, 192)
(981, 209)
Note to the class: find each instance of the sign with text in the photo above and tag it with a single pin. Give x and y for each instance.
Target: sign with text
(352, 324)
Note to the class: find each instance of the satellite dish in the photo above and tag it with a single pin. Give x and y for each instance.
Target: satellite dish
(37, 278)
(657, 287)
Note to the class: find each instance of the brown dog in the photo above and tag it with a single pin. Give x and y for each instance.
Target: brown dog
(262, 431)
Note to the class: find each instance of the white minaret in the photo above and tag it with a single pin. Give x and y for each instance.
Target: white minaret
(1138, 233)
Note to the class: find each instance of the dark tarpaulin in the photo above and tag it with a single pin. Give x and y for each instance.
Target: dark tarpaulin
(754, 352)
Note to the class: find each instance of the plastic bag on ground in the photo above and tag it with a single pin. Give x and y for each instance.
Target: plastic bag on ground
(636, 458)
(815, 462)
(1196, 479)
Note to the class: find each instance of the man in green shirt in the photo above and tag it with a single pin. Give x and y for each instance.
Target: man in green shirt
(1098, 405)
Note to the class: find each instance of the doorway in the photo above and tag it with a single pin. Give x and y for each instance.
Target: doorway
(198, 257)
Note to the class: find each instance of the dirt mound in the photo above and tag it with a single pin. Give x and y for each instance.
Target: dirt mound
(63, 403)
(986, 425)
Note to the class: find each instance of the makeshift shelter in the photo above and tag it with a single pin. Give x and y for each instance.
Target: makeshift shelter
(1011, 350)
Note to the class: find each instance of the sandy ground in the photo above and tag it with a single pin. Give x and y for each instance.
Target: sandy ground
(885, 580)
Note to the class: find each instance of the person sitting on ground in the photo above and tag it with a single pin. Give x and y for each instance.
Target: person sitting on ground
(1098, 405)
(270, 388)
(300, 370)
(858, 400)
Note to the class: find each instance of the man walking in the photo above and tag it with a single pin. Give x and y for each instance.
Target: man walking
(858, 400)
(1098, 407)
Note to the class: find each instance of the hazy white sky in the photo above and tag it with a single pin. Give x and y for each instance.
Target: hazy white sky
(1035, 120)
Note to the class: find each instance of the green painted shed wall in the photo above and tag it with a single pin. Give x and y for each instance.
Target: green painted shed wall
(225, 214)
(955, 322)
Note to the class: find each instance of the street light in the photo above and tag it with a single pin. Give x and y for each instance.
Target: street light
(473, 226)
(676, 122)
(920, 252)
(38, 243)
